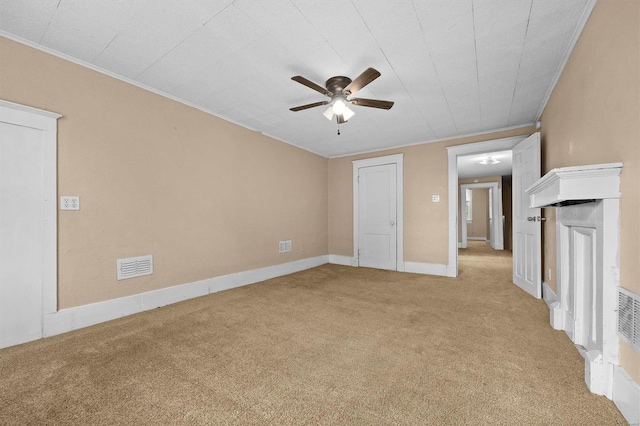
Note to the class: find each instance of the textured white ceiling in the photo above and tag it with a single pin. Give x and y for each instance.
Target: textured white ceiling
(453, 67)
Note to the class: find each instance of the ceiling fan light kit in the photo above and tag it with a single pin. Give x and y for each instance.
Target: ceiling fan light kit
(339, 88)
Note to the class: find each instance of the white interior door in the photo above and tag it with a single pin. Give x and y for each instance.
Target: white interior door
(527, 255)
(377, 217)
(21, 234)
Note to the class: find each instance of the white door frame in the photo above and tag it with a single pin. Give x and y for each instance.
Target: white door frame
(46, 122)
(497, 234)
(396, 159)
(453, 152)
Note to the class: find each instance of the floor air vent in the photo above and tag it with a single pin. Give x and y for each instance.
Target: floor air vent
(629, 317)
(135, 267)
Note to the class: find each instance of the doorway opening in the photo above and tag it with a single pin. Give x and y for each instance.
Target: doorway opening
(526, 219)
(470, 155)
(481, 214)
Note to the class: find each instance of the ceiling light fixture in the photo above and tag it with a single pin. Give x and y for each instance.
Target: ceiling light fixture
(338, 107)
(489, 160)
(348, 113)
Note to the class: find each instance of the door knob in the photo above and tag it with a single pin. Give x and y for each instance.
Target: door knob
(392, 223)
(536, 219)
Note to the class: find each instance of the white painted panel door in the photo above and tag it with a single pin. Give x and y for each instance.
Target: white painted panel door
(527, 255)
(21, 234)
(377, 217)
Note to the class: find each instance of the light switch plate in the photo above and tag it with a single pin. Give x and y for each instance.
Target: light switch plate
(69, 203)
(435, 198)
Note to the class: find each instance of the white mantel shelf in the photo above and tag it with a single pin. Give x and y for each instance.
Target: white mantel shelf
(569, 185)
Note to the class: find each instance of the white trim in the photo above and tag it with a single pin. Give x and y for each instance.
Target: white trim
(599, 182)
(567, 54)
(35, 111)
(140, 85)
(426, 268)
(556, 316)
(602, 183)
(83, 316)
(398, 160)
(448, 138)
(453, 152)
(593, 182)
(626, 395)
(337, 259)
(603, 217)
(47, 122)
(548, 295)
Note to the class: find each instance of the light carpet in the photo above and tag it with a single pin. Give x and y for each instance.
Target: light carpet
(333, 345)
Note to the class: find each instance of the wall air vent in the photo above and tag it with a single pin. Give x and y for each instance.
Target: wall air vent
(629, 317)
(285, 246)
(135, 267)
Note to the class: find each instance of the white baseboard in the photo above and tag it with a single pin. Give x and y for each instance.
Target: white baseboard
(556, 316)
(426, 268)
(548, 295)
(83, 316)
(452, 271)
(337, 259)
(602, 378)
(626, 396)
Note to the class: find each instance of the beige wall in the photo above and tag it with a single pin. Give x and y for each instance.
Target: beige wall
(203, 196)
(426, 224)
(593, 116)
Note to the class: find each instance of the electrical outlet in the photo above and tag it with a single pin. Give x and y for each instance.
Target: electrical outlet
(549, 274)
(435, 198)
(69, 203)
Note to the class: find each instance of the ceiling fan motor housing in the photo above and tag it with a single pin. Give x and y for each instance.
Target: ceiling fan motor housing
(336, 85)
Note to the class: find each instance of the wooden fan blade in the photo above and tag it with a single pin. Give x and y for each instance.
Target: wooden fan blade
(373, 103)
(310, 84)
(362, 80)
(315, 104)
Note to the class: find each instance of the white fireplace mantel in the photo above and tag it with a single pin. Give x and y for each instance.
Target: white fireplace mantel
(585, 301)
(572, 185)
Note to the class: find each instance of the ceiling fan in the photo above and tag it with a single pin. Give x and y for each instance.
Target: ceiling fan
(338, 89)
